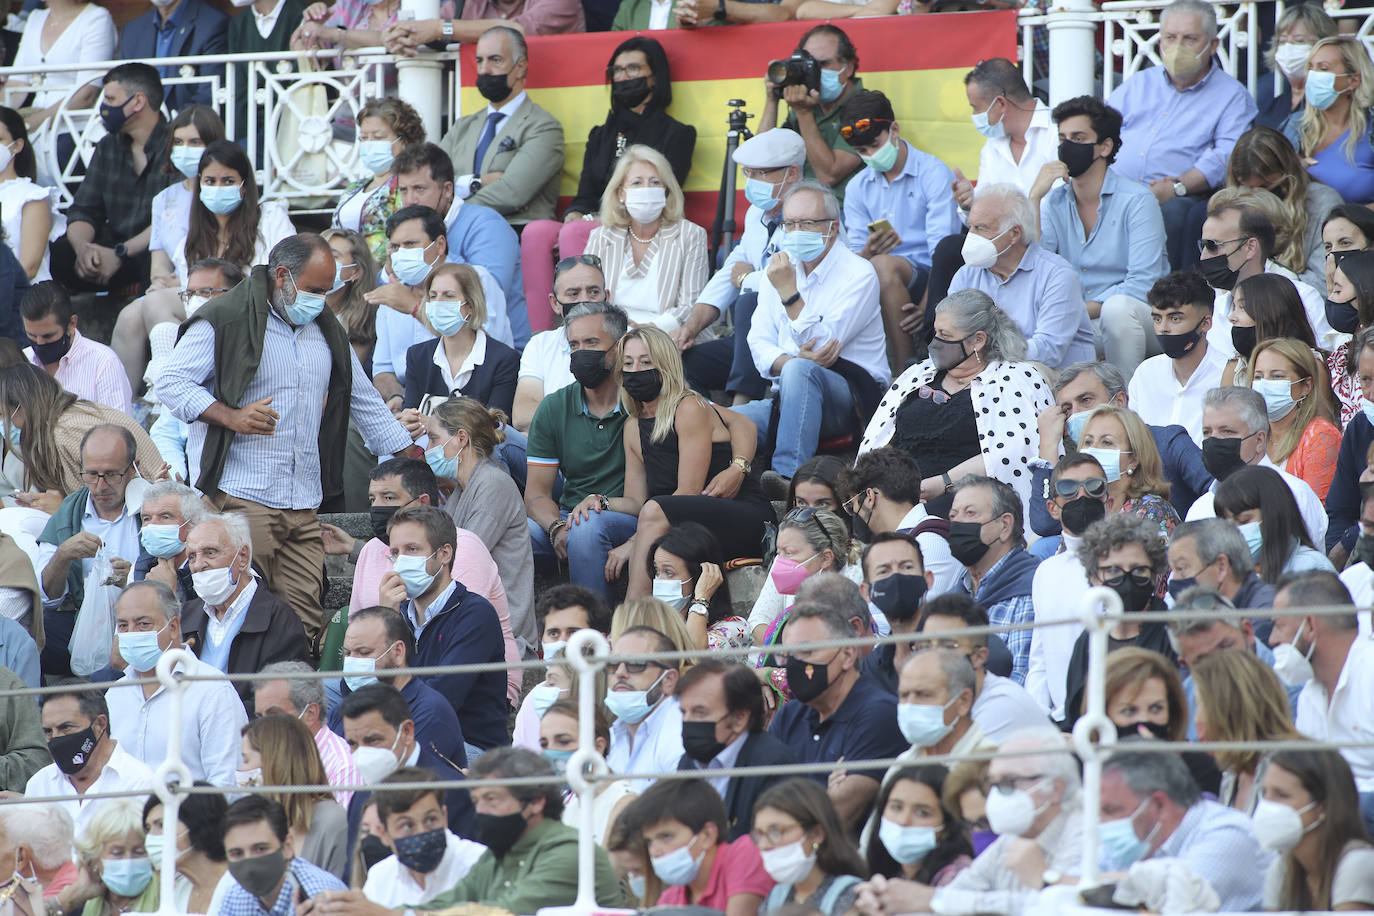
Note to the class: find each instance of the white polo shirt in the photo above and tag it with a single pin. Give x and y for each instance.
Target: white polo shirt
(121, 772)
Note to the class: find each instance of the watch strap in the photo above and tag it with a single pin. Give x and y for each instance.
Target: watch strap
(786, 303)
(719, 15)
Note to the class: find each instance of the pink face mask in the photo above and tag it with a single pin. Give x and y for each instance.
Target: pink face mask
(788, 574)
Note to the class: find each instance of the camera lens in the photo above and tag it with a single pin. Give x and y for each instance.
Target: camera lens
(778, 72)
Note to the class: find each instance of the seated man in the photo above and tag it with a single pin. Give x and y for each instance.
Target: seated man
(147, 624)
(772, 163)
(262, 856)
(38, 838)
(1152, 809)
(379, 640)
(417, 241)
(836, 712)
(1235, 424)
(92, 519)
(170, 510)
(88, 369)
(1181, 121)
(1107, 227)
(1036, 287)
(1167, 389)
(998, 573)
(815, 114)
(452, 625)
(181, 28)
(379, 729)
(304, 698)
(560, 612)
(722, 727)
(428, 858)
(86, 758)
(544, 366)
(817, 335)
(895, 212)
(477, 235)
(577, 432)
(896, 583)
(935, 678)
(647, 734)
(233, 624)
(109, 222)
(398, 482)
(1212, 553)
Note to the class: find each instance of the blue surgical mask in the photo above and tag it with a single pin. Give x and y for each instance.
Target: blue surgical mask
(638, 886)
(678, 868)
(221, 199)
(440, 465)
(1253, 538)
(760, 193)
(1120, 843)
(923, 725)
(1076, 422)
(544, 695)
(906, 845)
(669, 591)
(1109, 458)
(412, 571)
(1278, 396)
(376, 155)
(558, 759)
(445, 316)
(409, 265)
(830, 85)
(306, 307)
(1320, 90)
(187, 159)
(359, 672)
(141, 650)
(162, 541)
(632, 705)
(126, 877)
(991, 131)
(803, 245)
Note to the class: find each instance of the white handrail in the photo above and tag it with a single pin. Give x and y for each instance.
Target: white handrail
(173, 765)
(1101, 609)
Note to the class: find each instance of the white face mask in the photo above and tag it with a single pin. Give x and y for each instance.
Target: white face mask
(376, 763)
(1293, 667)
(6, 156)
(645, 204)
(251, 777)
(1012, 813)
(1292, 58)
(982, 252)
(215, 586)
(1279, 827)
(669, 591)
(789, 864)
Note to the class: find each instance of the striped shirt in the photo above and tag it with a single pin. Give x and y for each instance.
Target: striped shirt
(281, 471)
(338, 762)
(92, 372)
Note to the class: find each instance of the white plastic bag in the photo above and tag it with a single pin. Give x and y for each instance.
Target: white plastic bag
(93, 636)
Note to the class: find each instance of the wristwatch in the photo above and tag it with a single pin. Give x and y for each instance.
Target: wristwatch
(719, 14)
(475, 186)
(949, 484)
(121, 251)
(446, 28)
(1052, 876)
(1180, 189)
(698, 607)
(742, 463)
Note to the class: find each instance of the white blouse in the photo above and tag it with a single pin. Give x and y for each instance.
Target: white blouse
(171, 218)
(14, 194)
(273, 225)
(90, 36)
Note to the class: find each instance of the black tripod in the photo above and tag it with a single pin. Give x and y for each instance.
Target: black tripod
(723, 229)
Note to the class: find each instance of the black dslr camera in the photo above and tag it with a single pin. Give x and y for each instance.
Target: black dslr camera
(800, 69)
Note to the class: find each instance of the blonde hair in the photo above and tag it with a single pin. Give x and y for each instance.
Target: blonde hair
(1262, 152)
(289, 758)
(1244, 702)
(1315, 404)
(1149, 473)
(825, 530)
(654, 614)
(481, 423)
(668, 362)
(115, 819)
(358, 316)
(1355, 60)
(1267, 203)
(469, 283)
(613, 212)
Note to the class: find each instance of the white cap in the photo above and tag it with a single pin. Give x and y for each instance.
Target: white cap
(772, 149)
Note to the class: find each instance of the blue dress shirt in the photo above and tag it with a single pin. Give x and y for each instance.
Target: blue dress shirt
(919, 203)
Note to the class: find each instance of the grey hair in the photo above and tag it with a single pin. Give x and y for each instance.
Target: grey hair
(114, 819)
(1117, 530)
(516, 38)
(1004, 501)
(1146, 773)
(1247, 402)
(295, 251)
(235, 525)
(617, 322)
(972, 310)
(1198, 598)
(1217, 537)
(1195, 8)
(302, 690)
(1319, 588)
(1110, 376)
(190, 505)
(47, 830)
(828, 198)
(956, 668)
(1016, 209)
(835, 590)
(1055, 761)
(167, 602)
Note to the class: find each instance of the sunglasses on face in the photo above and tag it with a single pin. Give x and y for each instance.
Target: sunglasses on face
(1067, 487)
(1114, 576)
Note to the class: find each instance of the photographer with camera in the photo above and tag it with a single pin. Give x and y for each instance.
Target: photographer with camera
(815, 82)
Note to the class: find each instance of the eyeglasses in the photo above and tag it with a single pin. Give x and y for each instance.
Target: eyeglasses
(856, 499)
(107, 477)
(630, 70)
(751, 172)
(775, 836)
(1213, 246)
(805, 514)
(208, 292)
(590, 260)
(636, 667)
(1114, 576)
(1067, 487)
(1010, 784)
(862, 126)
(806, 225)
(932, 394)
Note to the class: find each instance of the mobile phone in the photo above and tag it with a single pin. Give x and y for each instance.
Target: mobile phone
(880, 225)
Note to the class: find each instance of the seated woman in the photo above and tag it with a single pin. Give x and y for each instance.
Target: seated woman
(685, 459)
(653, 257)
(462, 360)
(1303, 439)
(1300, 27)
(1333, 132)
(1122, 445)
(1345, 497)
(358, 271)
(1326, 859)
(200, 847)
(814, 485)
(806, 849)
(688, 570)
(1263, 307)
(919, 837)
(641, 90)
(31, 217)
(280, 751)
(1240, 698)
(1350, 306)
(114, 872)
(965, 795)
(64, 32)
(961, 405)
(1256, 499)
(558, 739)
(810, 541)
(384, 127)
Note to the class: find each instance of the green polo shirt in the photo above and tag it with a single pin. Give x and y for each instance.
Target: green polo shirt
(829, 126)
(588, 450)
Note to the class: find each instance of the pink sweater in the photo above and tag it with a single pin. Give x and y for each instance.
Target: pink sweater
(472, 566)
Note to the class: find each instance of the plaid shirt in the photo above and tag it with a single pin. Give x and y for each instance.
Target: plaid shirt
(1010, 610)
(311, 880)
(117, 207)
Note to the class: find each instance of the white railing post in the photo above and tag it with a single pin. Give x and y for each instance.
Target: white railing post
(420, 80)
(1101, 608)
(1073, 33)
(172, 777)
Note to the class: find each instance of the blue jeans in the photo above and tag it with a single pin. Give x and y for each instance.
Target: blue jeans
(815, 403)
(726, 363)
(511, 455)
(589, 544)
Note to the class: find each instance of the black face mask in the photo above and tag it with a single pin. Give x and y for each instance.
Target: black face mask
(72, 752)
(1078, 157)
(1135, 595)
(493, 87)
(1217, 272)
(946, 354)
(630, 93)
(589, 367)
(1159, 731)
(1343, 316)
(807, 680)
(1180, 584)
(966, 542)
(50, 352)
(699, 741)
(373, 850)
(899, 595)
(644, 386)
(1077, 514)
(1244, 339)
(1177, 346)
(498, 832)
(380, 516)
(1221, 457)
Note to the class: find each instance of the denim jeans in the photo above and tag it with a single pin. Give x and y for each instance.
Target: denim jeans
(511, 456)
(726, 363)
(814, 403)
(589, 543)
